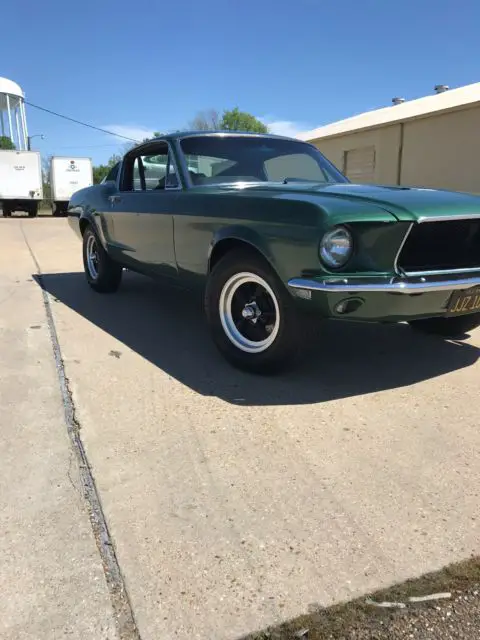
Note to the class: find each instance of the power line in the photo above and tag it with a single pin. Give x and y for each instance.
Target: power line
(84, 124)
(89, 146)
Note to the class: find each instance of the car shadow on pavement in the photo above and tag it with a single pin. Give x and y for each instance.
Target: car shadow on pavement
(166, 326)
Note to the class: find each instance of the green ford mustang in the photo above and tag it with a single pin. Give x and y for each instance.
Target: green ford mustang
(277, 238)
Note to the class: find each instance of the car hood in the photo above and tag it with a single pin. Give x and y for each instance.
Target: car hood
(405, 203)
(408, 203)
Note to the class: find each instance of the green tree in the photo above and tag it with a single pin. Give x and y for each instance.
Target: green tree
(231, 120)
(101, 170)
(208, 120)
(112, 161)
(235, 120)
(6, 143)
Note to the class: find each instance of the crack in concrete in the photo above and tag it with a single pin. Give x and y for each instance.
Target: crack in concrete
(122, 608)
(69, 474)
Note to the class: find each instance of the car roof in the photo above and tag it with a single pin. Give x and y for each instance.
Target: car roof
(189, 134)
(220, 132)
(179, 135)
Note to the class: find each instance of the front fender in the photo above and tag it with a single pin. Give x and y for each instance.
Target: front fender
(243, 234)
(287, 253)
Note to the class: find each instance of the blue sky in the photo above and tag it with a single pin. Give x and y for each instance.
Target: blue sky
(135, 67)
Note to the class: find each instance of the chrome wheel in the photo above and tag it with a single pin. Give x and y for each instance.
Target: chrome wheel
(92, 257)
(249, 312)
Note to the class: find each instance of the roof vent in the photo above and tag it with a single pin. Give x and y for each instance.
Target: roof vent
(441, 88)
(398, 100)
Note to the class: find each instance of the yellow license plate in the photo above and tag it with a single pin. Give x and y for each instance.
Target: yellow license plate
(464, 302)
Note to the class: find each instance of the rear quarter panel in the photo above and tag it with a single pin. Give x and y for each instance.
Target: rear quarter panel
(92, 205)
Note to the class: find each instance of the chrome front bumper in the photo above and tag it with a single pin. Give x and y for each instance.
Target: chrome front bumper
(408, 286)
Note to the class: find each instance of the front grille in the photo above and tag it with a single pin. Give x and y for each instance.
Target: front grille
(443, 246)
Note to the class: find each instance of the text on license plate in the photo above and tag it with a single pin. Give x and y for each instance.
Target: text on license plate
(465, 302)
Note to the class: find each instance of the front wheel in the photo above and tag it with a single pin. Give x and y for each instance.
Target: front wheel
(252, 317)
(448, 327)
(102, 273)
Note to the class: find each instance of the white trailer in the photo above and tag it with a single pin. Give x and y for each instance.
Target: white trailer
(21, 186)
(68, 175)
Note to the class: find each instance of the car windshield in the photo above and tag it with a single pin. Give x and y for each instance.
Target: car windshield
(212, 159)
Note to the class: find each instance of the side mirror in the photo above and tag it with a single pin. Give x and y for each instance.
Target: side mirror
(109, 187)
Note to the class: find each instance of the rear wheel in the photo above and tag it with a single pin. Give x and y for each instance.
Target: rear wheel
(7, 212)
(448, 327)
(252, 318)
(102, 273)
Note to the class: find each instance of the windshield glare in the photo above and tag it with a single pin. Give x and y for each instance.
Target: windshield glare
(216, 159)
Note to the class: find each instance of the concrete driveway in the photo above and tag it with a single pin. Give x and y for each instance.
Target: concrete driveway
(232, 502)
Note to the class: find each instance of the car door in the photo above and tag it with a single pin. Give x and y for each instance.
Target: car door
(142, 211)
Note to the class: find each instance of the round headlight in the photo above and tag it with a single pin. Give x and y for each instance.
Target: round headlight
(336, 247)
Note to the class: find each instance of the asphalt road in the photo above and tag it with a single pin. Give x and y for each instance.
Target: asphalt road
(232, 502)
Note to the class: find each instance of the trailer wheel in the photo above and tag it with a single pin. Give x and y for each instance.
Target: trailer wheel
(33, 210)
(59, 210)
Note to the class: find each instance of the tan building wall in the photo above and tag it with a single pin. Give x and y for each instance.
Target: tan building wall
(439, 151)
(443, 151)
(386, 141)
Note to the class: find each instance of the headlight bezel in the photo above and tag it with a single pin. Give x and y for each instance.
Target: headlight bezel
(326, 256)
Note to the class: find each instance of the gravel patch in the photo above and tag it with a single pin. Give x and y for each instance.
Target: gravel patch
(441, 606)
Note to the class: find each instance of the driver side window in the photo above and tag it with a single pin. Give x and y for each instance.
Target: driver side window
(151, 171)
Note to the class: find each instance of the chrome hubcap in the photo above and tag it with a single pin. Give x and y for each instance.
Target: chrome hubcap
(92, 257)
(249, 312)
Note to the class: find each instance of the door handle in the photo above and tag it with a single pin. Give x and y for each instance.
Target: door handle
(114, 199)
